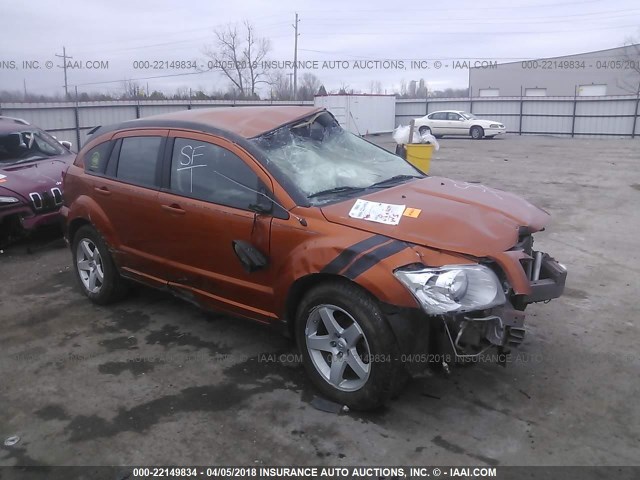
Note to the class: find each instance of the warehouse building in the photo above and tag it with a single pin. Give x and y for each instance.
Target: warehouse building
(615, 71)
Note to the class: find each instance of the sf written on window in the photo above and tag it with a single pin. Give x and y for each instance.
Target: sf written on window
(212, 173)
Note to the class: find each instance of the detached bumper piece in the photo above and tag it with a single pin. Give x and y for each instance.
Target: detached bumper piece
(471, 336)
(547, 279)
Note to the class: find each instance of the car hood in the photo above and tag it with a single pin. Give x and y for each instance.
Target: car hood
(36, 176)
(456, 216)
(483, 122)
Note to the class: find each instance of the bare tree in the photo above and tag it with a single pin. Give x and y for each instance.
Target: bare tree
(239, 54)
(280, 85)
(131, 89)
(309, 85)
(375, 86)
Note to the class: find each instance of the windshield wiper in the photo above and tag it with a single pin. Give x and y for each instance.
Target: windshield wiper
(29, 159)
(330, 191)
(392, 180)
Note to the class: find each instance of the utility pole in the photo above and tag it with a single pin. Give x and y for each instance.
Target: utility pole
(64, 66)
(291, 86)
(295, 58)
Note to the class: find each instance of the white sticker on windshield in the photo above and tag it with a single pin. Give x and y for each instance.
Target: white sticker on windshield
(386, 213)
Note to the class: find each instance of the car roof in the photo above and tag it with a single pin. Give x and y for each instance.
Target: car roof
(247, 122)
(10, 124)
(447, 111)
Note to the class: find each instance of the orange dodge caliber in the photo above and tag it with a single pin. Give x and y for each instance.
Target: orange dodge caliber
(279, 215)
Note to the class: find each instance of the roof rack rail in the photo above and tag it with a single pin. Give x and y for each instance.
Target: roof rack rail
(17, 120)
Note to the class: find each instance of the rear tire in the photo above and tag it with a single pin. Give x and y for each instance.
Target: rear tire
(94, 267)
(348, 348)
(477, 133)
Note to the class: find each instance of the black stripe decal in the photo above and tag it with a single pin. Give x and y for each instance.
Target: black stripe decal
(370, 259)
(349, 253)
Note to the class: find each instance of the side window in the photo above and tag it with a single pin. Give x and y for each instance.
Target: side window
(138, 160)
(95, 160)
(439, 116)
(453, 116)
(212, 173)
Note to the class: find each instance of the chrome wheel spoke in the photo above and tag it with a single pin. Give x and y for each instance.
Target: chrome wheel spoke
(92, 280)
(354, 361)
(322, 343)
(329, 321)
(84, 265)
(352, 334)
(86, 250)
(338, 366)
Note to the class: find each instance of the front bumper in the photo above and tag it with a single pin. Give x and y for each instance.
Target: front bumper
(470, 335)
(27, 220)
(549, 282)
(492, 132)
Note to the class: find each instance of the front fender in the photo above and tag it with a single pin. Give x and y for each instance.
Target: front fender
(361, 257)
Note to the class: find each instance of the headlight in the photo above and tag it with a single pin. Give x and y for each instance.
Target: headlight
(8, 200)
(453, 288)
(495, 125)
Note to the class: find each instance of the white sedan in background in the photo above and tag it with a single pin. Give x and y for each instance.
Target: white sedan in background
(456, 122)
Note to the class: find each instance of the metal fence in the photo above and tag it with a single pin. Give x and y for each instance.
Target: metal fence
(565, 116)
(71, 121)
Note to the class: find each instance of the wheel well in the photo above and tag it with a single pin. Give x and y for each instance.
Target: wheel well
(298, 290)
(74, 226)
(476, 126)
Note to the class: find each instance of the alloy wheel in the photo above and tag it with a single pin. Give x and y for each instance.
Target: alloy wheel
(338, 347)
(90, 266)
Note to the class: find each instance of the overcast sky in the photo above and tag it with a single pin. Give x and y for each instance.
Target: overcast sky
(124, 31)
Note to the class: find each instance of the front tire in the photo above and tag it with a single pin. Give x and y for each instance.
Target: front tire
(477, 133)
(96, 273)
(349, 350)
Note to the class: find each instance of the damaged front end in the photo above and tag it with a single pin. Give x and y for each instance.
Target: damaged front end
(474, 308)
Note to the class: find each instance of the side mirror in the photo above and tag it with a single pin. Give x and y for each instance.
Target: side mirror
(66, 144)
(462, 119)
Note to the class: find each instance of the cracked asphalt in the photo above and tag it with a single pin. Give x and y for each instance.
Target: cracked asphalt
(154, 380)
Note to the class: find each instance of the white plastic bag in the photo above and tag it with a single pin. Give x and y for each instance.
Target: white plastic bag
(429, 139)
(401, 134)
(401, 137)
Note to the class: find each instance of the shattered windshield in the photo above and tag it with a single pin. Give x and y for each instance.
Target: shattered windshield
(324, 161)
(27, 145)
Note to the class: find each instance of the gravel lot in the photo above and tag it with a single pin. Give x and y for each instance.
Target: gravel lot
(153, 380)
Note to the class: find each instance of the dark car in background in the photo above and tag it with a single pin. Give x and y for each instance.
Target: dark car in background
(31, 166)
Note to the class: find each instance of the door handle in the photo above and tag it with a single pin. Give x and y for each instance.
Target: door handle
(102, 190)
(173, 208)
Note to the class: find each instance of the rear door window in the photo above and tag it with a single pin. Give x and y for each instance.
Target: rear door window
(139, 160)
(95, 160)
(212, 173)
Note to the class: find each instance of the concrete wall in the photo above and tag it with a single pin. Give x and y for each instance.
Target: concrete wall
(616, 68)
